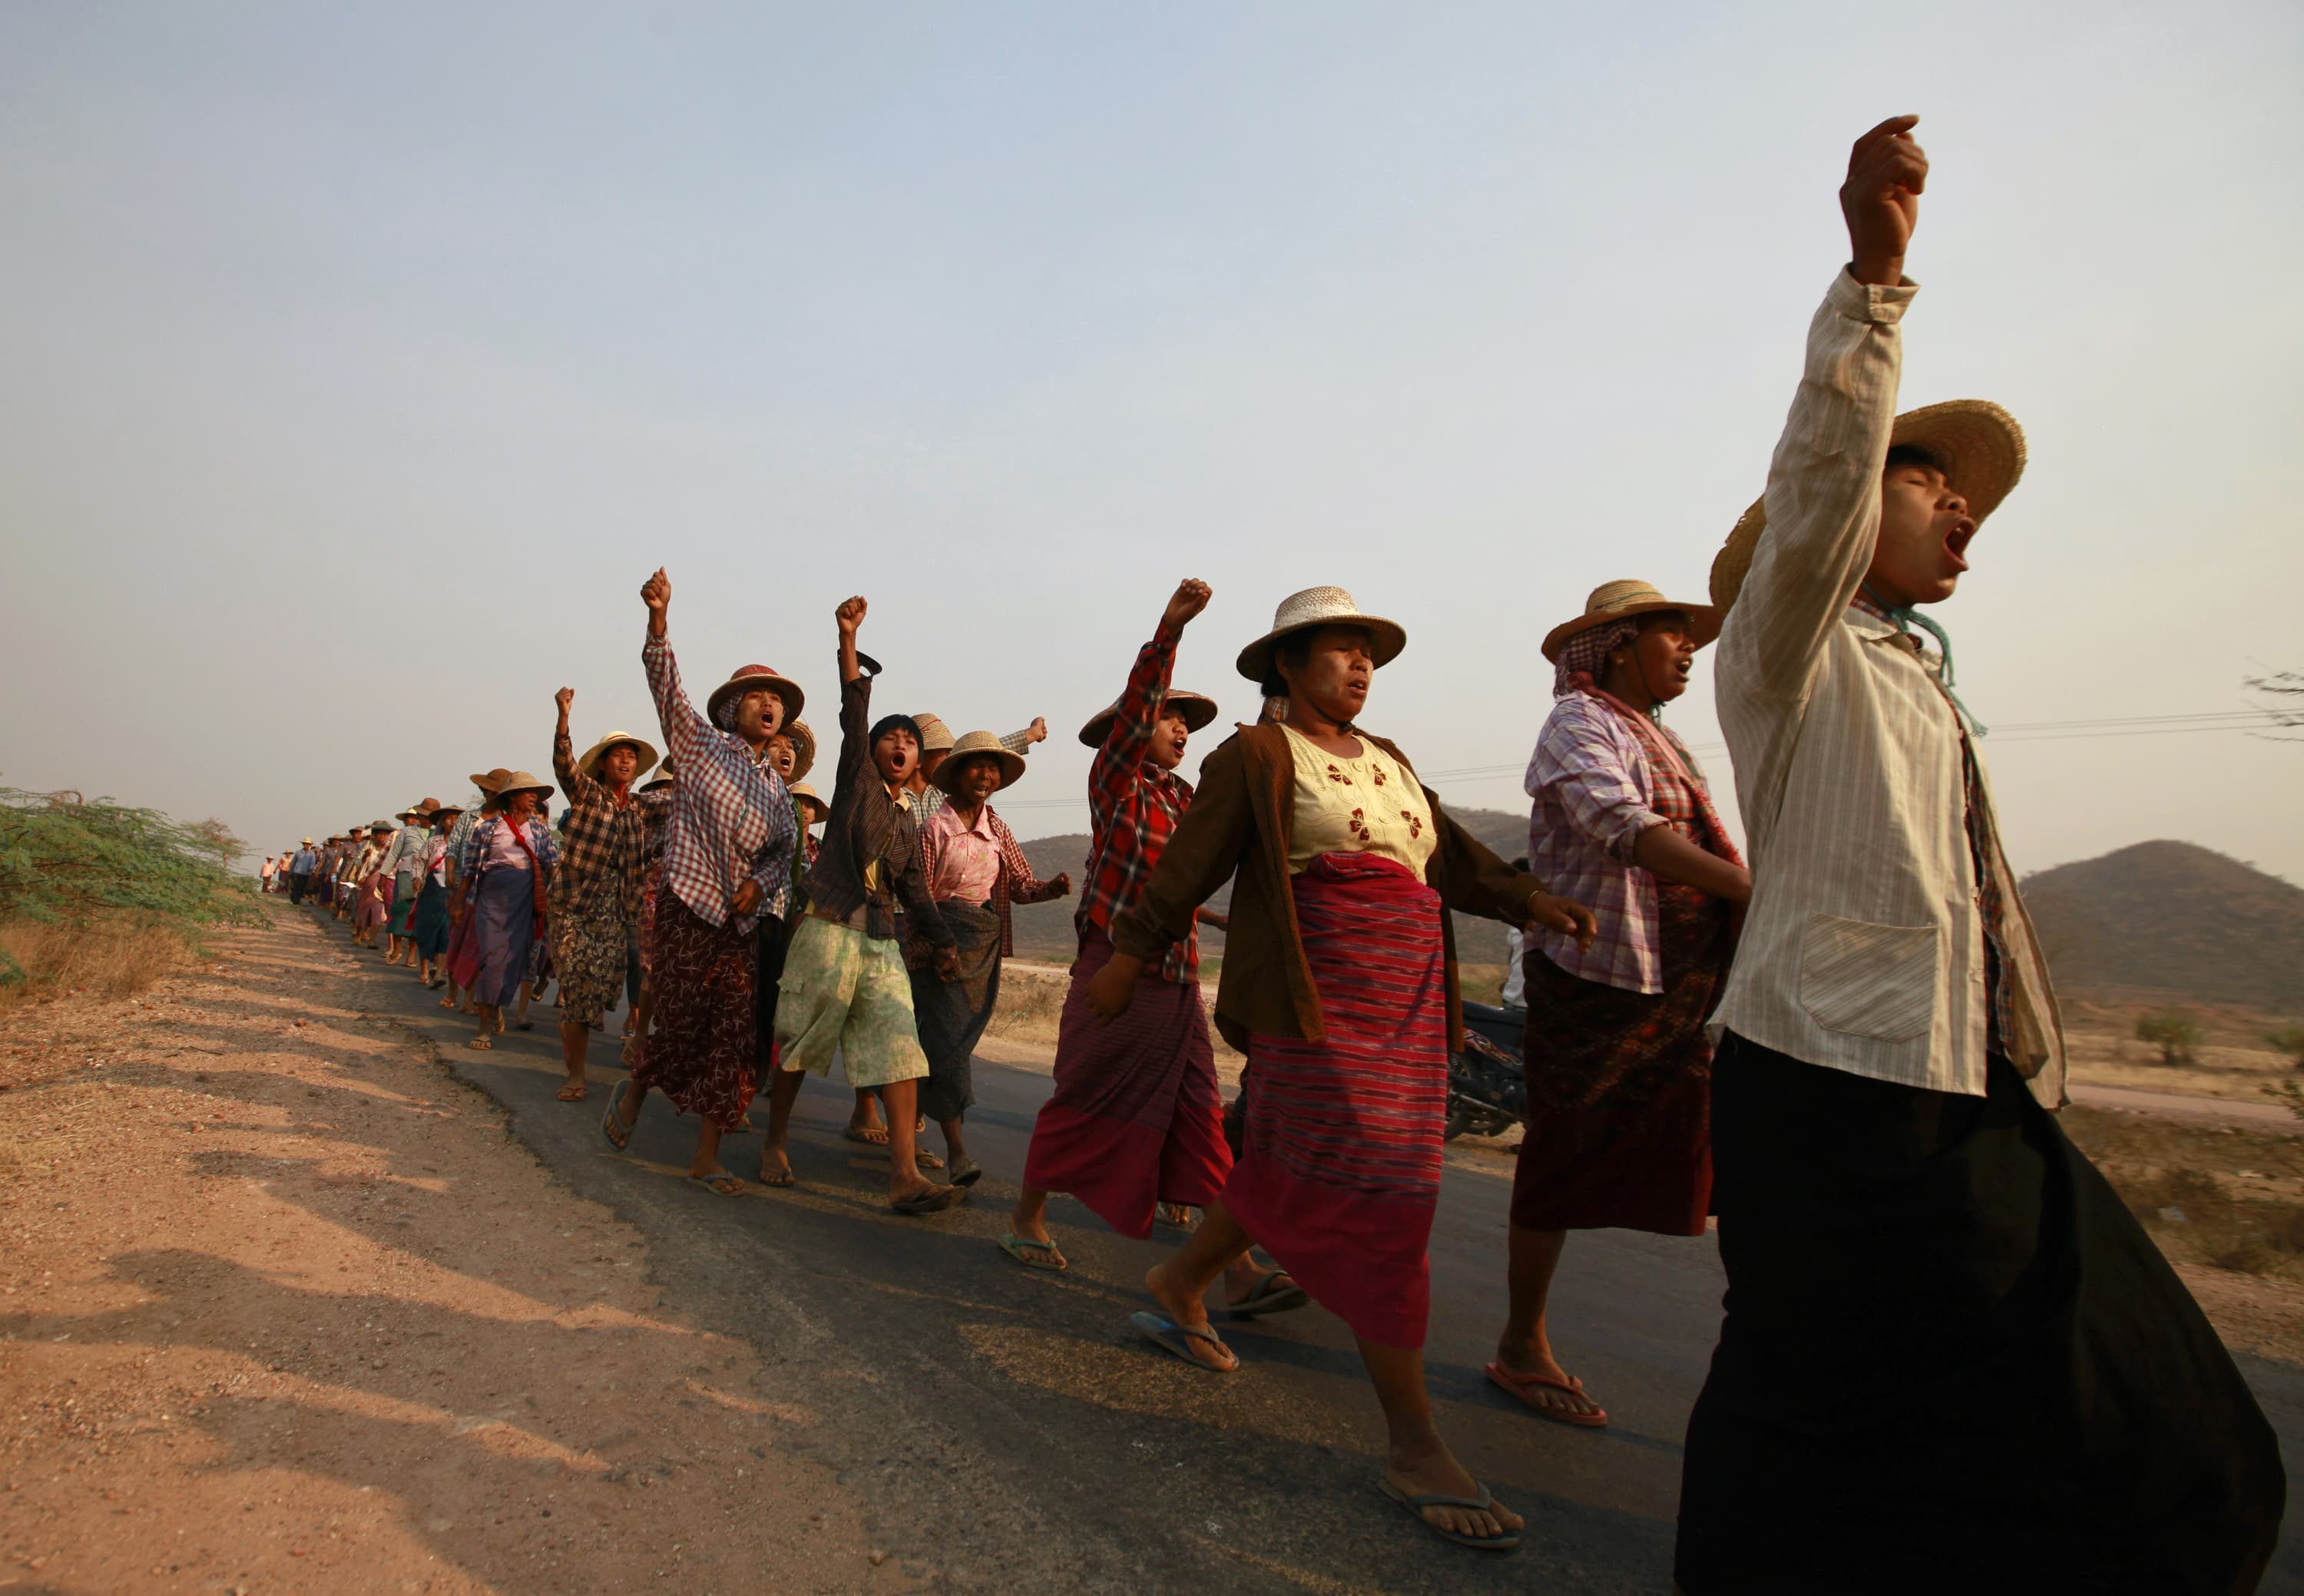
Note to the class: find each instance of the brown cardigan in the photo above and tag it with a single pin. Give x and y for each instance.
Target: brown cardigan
(1240, 820)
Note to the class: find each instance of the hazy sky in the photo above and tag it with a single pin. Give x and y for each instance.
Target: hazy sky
(357, 363)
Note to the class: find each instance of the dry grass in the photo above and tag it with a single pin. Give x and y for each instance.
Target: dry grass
(2234, 1059)
(2228, 1199)
(111, 957)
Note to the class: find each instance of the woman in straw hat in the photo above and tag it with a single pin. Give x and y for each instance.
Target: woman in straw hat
(1340, 985)
(463, 934)
(507, 866)
(727, 883)
(372, 886)
(845, 991)
(1951, 1358)
(428, 930)
(595, 892)
(403, 868)
(974, 871)
(1619, 1089)
(1136, 1116)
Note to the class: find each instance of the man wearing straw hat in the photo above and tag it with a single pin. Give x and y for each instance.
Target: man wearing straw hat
(596, 892)
(1952, 1359)
(301, 865)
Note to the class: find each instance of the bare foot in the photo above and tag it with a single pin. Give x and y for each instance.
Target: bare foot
(1430, 1469)
(1537, 1359)
(1192, 1313)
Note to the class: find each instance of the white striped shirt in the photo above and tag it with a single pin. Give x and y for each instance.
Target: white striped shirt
(1864, 947)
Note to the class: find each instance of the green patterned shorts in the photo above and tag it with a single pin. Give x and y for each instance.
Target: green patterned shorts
(846, 993)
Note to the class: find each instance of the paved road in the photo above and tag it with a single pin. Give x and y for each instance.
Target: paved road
(1013, 1437)
(2261, 1117)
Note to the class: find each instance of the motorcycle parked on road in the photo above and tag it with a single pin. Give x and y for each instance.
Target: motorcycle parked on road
(1487, 1077)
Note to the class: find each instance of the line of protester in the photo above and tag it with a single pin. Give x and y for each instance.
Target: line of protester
(1951, 1358)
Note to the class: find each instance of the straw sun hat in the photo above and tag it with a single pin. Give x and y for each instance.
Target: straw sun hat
(1979, 446)
(520, 781)
(749, 677)
(1320, 607)
(936, 737)
(490, 783)
(665, 775)
(590, 763)
(1012, 764)
(1617, 600)
(809, 794)
(1196, 708)
(803, 742)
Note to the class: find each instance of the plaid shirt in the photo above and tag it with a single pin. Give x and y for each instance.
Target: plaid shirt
(1991, 902)
(476, 846)
(462, 828)
(871, 854)
(1134, 806)
(1596, 791)
(607, 843)
(930, 801)
(731, 819)
(1014, 882)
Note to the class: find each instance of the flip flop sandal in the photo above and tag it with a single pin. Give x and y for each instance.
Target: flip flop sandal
(1176, 1216)
(524, 1025)
(778, 1180)
(1518, 1385)
(612, 1123)
(872, 1137)
(572, 1093)
(1265, 1296)
(1176, 1340)
(1021, 1249)
(926, 1159)
(480, 1044)
(966, 1172)
(720, 1183)
(1503, 1540)
(935, 1199)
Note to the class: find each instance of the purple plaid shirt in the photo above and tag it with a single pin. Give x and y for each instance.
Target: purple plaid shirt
(732, 820)
(1595, 790)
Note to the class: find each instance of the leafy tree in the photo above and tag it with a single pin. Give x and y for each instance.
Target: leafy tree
(2172, 1031)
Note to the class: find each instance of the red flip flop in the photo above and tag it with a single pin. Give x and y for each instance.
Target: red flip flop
(1518, 1385)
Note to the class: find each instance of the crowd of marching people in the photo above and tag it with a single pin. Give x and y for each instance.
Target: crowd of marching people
(1949, 1357)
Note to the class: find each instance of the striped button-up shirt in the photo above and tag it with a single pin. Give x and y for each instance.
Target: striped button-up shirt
(731, 819)
(1134, 806)
(1865, 948)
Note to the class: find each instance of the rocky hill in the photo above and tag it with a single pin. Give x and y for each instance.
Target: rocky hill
(2171, 921)
(1045, 930)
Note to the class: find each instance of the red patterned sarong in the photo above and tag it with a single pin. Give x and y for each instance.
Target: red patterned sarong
(699, 1051)
(1339, 1173)
(1136, 1119)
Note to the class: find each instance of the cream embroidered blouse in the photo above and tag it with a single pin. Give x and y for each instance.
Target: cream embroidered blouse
(1365, 805)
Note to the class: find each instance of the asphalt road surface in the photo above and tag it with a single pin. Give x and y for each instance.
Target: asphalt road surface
(1005, 1428)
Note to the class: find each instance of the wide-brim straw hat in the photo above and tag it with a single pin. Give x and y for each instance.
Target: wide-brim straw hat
(1620, 601)
(806, 794)
(489, 783)
(522, 781)
(803, 742)
(747, 678)
(1321, 607)
(1198, 710)
(1012, 763)
(438, 809)
(1979, 446)
(666, 773)
(590, 763)
(305, 844)
(375, 826)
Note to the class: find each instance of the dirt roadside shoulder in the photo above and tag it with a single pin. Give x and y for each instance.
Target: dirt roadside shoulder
(283, 1308)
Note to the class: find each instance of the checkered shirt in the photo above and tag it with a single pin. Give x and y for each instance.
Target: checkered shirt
(1134, 806)
(1596, 789)
(605, 864)
(476, 846)
(1991, 901)
(731, 819)
(1014, 883)
(459, 831)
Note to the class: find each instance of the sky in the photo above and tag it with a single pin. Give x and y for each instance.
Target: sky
(358, 363)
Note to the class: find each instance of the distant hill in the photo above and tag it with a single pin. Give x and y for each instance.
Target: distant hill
(1045, 930)
(2168, 919)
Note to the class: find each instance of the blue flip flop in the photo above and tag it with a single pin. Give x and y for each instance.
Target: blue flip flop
(611, 1123)
(1176, 1340)
(1503, 1541)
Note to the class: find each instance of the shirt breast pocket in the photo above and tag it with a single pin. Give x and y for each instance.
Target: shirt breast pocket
(1869, 980)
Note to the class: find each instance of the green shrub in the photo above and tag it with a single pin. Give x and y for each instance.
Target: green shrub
(2288, 1040)
(2173, 1031)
